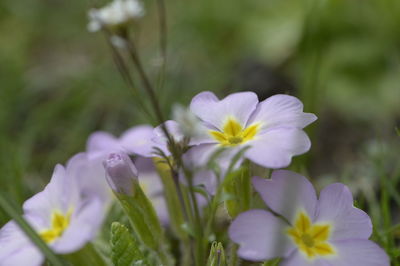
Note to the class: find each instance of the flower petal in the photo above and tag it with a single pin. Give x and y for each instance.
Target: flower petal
(260, 236)
(198, 157)
(287, 193)
(358, 252)
(215, 112)
(102, 142)
(24, 255)
(281, 110)
(90, 175)
(160, 206)
(137, 140)
(83, 227)
(335, 206)
(299, 259)
(60, 193)
(16, 248)
(208, 179)
(150, 183)
(275, 148)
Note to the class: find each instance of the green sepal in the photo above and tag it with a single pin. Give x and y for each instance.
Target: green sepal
(125, 250)
(145, 222)
(237, 185)
(217, 255)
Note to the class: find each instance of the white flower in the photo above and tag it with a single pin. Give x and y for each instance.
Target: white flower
(116, 13)
(188, 123)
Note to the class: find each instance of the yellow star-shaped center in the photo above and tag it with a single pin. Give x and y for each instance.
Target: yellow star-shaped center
(311, 239)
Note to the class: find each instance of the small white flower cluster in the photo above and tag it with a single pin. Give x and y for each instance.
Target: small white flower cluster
(116, 13)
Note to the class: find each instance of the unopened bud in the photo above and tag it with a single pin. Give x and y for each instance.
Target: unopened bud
(121, 173)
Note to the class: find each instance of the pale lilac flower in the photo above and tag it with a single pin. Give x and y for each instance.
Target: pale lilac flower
(321, 232)
(90, 175)
(134, 141)
(64, 220)
(122, 174)
(87, 167)
(116, 13)
(272, 128)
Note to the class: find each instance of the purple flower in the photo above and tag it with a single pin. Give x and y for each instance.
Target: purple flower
(87, 167)
(319, 232)
(90, 175)
(121, 172)
(272, 128)
(136, 140)
(64, 220)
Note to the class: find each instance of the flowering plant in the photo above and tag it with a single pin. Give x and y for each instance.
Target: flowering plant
(194, 190)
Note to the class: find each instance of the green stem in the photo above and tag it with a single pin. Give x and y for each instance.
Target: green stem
(233, 258)
(126, 76)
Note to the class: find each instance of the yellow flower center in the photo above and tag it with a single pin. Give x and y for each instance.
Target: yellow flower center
(234, 134)
(311, 239)
(59, 223)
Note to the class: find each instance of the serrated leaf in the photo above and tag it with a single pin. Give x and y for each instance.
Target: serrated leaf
(125, 249)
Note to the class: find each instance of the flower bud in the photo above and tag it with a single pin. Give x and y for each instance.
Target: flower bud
(121, 173)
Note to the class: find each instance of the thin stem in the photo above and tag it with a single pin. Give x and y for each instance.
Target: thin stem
(153, 97)
(123, 69)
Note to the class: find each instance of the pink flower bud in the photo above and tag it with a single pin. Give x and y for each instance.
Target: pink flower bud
(121, 173)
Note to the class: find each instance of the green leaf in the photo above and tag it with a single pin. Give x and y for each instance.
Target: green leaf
(145, 223)
(125, 249)
(172, 199)
(238, 186)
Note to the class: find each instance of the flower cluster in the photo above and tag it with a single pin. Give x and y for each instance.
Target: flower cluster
(297, 227)
(187, 178)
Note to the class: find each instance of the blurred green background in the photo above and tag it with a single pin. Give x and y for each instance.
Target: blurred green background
(340, 57)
